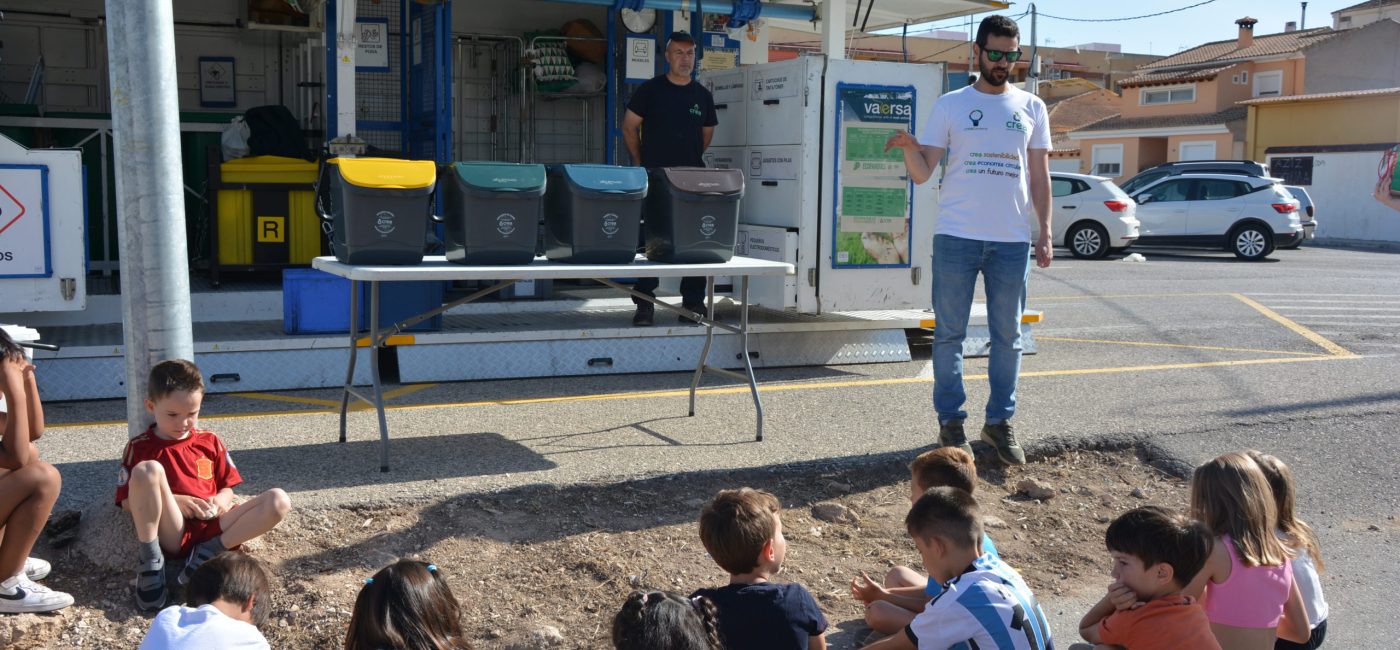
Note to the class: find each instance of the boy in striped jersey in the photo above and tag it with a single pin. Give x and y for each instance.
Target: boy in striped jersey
(984, 603)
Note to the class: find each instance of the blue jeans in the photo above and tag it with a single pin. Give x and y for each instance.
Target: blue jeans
(1005, 266)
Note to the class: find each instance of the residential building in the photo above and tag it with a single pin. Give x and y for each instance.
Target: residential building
(1363, 13)
(1366, 58)
(1074, 103)
(1332, 144)
(1184, 107)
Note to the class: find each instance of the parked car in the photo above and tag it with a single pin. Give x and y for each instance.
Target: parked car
(1305, 214)
(1246, 215)
(1153, 174)
(1092, 215)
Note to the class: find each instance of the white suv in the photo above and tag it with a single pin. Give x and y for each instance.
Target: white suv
(1092, 216)
(1246, 215)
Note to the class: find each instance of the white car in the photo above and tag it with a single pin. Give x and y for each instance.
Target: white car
(1092, 216)
(1246, 215)
(1306, 214)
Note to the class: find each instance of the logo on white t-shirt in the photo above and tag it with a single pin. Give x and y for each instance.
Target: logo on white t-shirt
(1016, 123)
(976, 118)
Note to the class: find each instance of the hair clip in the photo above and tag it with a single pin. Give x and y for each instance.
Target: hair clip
(432, 568)
(695, 601)
(369, 581)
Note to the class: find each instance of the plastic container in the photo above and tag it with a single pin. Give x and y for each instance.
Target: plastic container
(692, 214)
(266, 213)
(378, 208)
(316, 302)
(492, 211)
(594, 213)
(268, 169)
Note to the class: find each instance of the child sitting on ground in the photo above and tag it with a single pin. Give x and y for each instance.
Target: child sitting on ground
(1298, 536)
(28, 488)
(906, 591)
(1155, 553)
(1247, 583)
(984, 603)
(177, 482)
(662, 620)
(743, 533)
(406, 605)
(226, 601)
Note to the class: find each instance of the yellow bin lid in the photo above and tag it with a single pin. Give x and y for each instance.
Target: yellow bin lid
(268, 169)
(387, 173)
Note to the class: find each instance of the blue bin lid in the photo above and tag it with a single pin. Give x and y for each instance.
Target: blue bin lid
(498, 177)
(607, 178)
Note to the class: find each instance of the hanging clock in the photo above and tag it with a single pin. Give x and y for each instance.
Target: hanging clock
(638, 21)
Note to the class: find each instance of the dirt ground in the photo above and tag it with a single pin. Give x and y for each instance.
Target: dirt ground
(546, 567)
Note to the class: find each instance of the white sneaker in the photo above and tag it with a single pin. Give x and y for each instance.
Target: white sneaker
(20, 594)
(36, 569)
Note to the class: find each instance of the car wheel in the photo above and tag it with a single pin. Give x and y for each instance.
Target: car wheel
(1087, 241)
(1251, 242)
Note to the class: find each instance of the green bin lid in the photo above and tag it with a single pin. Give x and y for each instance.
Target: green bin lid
(493, 176)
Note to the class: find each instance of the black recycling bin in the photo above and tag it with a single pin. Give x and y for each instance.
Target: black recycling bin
(492, 211)
(692, 214)
(593, 213)
(378, 208)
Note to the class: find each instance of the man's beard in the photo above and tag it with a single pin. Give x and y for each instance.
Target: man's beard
(991, 74)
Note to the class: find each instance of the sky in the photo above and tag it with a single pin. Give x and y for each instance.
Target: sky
(1160, 35)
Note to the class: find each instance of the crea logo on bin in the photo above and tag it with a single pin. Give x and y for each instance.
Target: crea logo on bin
(606, 181)
(505, 224)
(610, 226)
(707, 226)
(384, 222)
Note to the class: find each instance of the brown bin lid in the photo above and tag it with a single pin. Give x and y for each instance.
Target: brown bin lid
(703, 180)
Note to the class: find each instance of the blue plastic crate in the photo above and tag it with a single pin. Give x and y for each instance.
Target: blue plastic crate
(316, 302)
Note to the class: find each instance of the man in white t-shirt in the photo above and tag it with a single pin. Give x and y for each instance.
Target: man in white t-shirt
(997, 138)
(226, 601)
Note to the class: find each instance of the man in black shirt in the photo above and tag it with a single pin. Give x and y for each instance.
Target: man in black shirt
(669, 123)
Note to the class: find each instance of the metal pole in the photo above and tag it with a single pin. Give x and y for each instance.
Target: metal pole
(155, 279)
(1033, 70)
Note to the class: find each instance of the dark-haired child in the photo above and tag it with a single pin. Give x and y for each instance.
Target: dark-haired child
(1155, 553)
(744, 535)
(984, 603)
(226, 601)
(406, 605)
(905, 591)
(663, 620)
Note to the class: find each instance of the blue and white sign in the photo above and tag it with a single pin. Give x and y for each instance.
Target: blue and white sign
(24, 222)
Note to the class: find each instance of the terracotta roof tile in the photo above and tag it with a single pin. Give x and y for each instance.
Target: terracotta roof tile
(1218, 52)
(1321, 96)
(1165, 121)
(1083, 109)
(1151, 78)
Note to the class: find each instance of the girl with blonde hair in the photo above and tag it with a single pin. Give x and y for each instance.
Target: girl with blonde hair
(1302, 542)
(1247, 583)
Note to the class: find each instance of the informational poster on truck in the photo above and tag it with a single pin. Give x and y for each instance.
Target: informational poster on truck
(24, 223)
(872, 209)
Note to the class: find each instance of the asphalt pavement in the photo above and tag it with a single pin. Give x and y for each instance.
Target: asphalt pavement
(1187, 355)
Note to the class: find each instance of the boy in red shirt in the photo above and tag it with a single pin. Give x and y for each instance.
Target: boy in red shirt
(1156, 553)
(177, 482)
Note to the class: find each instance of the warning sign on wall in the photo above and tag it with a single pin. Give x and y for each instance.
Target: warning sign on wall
(24, 222)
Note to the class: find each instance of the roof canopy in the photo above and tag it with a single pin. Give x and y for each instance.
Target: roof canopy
(893, 13)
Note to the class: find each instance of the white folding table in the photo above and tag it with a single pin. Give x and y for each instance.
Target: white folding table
(438, 268)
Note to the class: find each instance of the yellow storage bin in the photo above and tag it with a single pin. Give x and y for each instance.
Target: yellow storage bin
(269, 169)
(266, 208)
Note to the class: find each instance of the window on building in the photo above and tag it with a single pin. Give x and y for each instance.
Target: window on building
(1108, 159)
(1268, 84)
(1172, 95)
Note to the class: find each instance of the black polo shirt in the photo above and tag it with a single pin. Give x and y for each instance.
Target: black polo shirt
(672, 119)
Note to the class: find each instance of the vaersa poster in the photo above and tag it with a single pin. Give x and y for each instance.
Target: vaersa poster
(872, 211)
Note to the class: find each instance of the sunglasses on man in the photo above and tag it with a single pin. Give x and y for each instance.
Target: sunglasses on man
(996, 55)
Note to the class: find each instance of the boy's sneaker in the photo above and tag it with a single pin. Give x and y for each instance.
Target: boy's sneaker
(1003, 438)
(36, 569)
(151, 593)
(199, 555)
(646, 313)
(950, 434)
(20, 594)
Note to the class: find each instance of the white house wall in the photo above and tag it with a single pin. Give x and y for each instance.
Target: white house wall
(1341, 188)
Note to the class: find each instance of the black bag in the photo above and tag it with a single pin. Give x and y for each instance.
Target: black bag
(275, 132)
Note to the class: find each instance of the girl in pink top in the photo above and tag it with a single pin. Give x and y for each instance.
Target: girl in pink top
(1247, 584)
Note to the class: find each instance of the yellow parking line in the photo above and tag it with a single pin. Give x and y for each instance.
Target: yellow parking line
(312, 401)
(1179, 345)
(1321, 341)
